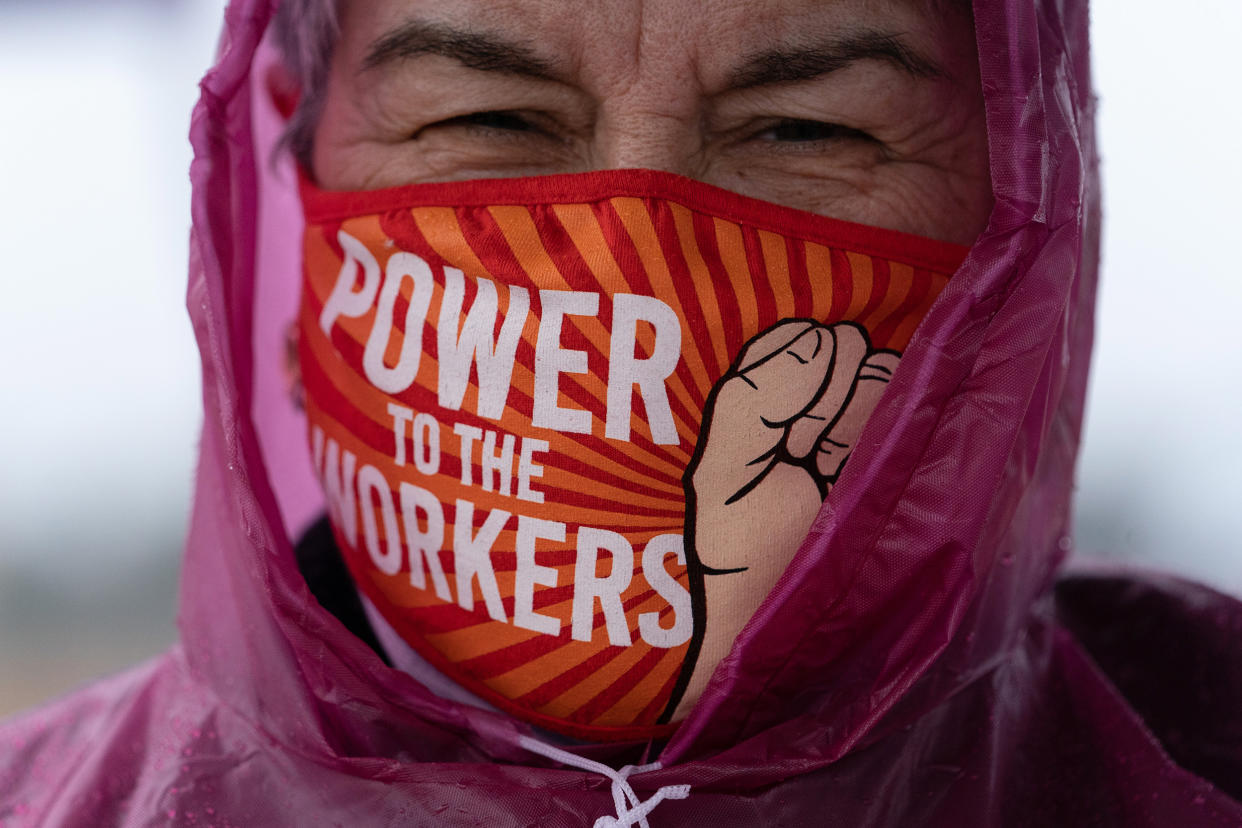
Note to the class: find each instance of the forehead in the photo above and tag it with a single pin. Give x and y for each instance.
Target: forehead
(615, 39)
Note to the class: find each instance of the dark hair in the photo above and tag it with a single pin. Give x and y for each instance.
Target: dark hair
(306, 33)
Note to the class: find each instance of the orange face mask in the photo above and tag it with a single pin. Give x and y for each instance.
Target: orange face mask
(549, 413)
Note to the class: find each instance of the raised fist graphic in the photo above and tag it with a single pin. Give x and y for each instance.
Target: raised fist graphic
(778, 427)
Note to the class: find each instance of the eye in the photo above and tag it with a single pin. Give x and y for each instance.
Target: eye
(796, 131)
(494, 121)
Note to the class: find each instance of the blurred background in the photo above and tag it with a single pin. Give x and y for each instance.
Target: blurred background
(99, 373)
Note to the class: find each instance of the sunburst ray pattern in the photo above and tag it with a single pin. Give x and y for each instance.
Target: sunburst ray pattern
(529, 634)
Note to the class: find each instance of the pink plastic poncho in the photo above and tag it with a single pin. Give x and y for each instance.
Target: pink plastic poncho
(914, 666)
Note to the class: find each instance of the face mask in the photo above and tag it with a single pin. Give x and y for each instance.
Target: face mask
(571, 429)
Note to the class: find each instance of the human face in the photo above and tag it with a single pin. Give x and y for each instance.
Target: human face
(864, 110)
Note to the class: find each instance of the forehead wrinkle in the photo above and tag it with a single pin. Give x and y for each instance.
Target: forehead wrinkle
(665, 44)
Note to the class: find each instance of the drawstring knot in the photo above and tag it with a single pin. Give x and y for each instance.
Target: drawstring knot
(630, 810)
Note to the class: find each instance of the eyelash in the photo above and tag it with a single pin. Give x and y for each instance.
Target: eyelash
(494, 122)
(794, 131)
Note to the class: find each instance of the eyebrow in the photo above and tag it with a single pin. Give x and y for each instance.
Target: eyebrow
(475, 50)
(787, 65)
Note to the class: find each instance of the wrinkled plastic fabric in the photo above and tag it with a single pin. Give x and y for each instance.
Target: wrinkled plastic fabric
(910, 668)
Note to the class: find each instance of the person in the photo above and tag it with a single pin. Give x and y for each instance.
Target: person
(692, 392)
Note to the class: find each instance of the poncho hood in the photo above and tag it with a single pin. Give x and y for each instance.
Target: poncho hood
(909, 667)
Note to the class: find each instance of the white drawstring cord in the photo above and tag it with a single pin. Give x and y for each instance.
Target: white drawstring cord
(630, 811)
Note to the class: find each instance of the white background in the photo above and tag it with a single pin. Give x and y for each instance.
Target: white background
(99, 374)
